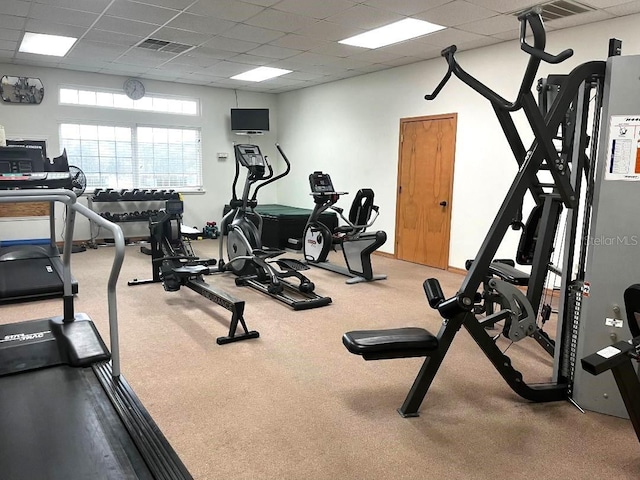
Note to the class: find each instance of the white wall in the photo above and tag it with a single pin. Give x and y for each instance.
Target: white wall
(350, 129)
(42, 121)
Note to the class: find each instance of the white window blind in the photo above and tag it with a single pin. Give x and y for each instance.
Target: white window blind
(119, 157)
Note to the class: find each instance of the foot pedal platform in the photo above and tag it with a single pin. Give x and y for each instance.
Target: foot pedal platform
(292, 264)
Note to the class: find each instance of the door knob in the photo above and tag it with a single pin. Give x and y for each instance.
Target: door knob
(443, 203)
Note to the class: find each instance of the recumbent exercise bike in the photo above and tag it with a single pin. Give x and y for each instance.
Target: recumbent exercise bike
(357, 244)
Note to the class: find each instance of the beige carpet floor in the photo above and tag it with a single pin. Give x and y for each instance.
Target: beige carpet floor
(294, 404)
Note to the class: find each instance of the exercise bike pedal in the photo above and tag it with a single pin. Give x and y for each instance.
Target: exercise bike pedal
(291, 264)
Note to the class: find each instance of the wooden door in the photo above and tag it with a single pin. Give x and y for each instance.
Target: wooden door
(425, 183)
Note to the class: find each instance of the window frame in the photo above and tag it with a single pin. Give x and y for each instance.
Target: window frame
(133, 126)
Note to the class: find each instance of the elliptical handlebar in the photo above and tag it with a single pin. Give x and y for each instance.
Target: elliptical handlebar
(536, 52)
(270, 178)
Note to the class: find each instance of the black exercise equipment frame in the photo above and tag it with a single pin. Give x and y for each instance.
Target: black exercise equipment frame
(169, 253)
(458, 311)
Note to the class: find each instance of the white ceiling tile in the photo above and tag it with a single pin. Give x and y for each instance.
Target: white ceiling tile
(365, 17)
(156, 74)
(375, 56)
(316, 9)
(491, 26)
(317, 69)
(264, 3)
(409, 60)
(337, 49)
(110, 37)
(12, 22)
(175, 4)
(95, 6)
(120, 25)
(63, 16)
(200, 24)
(625, 9)
(231, 44)
(210, 53)
(140, 12)
(482, 42)
(580, 19)
(8, 45)
(509, 35)
(38, 26)
(283, 21)
(89, 62)
(504, 6)
(225, 9)
(308, 58)
(125, 70)
(272, 51)
(331, 31)
(103, 51)
(376, 67)
(304, 76)
(144, 59)
(449, 36)
(252, 33)
(80, 68)
(455, 13)
(250, 59)
(350, 63)
(8, 34)
(300, 42)
(181, 36)
(18, 8)
(411, 48)
(228, 69)
(38, 60)
(604, 3)
(406, 7)
(6, 54)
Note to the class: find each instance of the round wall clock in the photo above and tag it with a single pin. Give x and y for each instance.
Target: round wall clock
(134, 89)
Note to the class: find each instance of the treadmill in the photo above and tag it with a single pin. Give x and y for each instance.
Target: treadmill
(66, 412)
(30, 272)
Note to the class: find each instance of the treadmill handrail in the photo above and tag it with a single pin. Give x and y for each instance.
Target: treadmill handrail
(69, 198)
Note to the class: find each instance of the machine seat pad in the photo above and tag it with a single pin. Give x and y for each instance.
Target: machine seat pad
(509, 273)
(397, 340)
(190, 270)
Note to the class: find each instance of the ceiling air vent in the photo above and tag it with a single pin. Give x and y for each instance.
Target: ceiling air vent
(561, 9)
(164, 46)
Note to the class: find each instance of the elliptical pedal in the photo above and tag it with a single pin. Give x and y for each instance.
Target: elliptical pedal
(292, 264)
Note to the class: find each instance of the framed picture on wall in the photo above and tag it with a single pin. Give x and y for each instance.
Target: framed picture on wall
(21, 90)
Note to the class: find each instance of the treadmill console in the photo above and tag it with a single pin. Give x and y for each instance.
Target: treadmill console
(21, 160)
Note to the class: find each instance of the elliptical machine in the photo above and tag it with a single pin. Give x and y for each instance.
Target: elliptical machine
(357, 244)
(256, 266)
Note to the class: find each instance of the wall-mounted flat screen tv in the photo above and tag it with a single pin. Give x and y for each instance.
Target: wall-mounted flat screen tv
(249, 119)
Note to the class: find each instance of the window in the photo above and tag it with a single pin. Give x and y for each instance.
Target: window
(113, 156)
(110, 99)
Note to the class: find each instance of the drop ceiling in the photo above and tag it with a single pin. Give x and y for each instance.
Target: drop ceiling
(212, 40)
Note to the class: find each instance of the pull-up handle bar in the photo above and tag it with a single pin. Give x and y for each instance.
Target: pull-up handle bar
(536, 52)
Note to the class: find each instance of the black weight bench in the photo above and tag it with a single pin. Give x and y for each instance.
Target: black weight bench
(505, 270)
(391, 343)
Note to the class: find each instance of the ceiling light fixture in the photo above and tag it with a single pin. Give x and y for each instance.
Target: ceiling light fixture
(392, 33)
(260, 74)
(42, 44)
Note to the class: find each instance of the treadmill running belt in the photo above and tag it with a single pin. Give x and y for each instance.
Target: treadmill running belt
(29, 278)
(59, 424)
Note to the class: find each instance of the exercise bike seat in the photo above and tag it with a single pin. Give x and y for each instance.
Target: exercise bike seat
(390, 343)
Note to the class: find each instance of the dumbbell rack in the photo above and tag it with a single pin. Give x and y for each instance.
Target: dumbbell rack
(134, 206)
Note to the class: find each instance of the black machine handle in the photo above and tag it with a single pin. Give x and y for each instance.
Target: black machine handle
(536, 52)
(271, 178)
(433, 291)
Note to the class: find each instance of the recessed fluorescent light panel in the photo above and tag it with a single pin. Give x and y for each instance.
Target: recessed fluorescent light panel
(392, 33)
(260, 74)
(42, 44)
